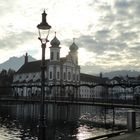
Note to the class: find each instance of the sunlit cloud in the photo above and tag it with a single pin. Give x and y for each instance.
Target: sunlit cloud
(107, 32)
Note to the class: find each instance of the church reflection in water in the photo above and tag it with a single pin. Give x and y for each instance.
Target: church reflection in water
(66, 122)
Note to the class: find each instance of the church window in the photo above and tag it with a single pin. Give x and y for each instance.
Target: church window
(51, 55)
(73, 77)
(57, 55)
(58, 75)
(64, 75)
(77, 78)
(50, 74)
(69, 76)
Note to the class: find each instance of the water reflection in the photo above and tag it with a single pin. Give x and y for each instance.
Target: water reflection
(64, 122)
(85, 131)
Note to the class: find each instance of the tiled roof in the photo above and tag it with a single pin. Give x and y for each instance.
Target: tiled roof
(91, 78)
(30, 67)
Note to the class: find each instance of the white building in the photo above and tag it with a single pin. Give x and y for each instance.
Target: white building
(59, 71)
(120, 90)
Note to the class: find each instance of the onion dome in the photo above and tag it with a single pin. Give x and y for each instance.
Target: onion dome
(55, 42)
(73, 46)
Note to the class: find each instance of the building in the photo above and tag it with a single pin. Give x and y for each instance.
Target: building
(125, 87)
(59, 71)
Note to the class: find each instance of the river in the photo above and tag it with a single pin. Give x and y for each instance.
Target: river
(63, 122)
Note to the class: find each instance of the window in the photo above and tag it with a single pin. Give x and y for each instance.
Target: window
(69, 76)
(50, 74)
(73, 77)
(58, 75)
(51, 55)
(57, 55)
(64, 75)
(77, 77)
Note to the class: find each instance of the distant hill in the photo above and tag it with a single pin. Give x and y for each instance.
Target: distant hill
(15, 63)
(121, 73)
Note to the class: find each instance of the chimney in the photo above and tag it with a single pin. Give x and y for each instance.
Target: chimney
(101, 75)
(26, 58)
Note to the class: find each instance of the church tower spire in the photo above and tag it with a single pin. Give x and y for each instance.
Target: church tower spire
(74, 52)
(55, 49)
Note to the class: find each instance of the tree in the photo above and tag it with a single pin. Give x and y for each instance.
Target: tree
(6, 78)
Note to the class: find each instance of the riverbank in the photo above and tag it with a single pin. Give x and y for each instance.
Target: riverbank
(120, 135)
(128, 136)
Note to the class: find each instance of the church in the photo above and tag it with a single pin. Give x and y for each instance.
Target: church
(59, 71)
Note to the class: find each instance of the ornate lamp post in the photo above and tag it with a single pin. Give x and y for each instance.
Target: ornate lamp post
(43, 30)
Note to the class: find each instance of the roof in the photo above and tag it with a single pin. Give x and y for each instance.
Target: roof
(91, 78)
(35, 66)
(55, 42)
(30, 67)
(118, 79)
(73, 47)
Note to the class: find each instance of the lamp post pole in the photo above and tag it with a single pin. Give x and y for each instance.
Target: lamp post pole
(43, 26)
(42, 105)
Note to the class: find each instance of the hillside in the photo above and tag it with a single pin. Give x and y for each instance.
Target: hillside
(15, 63)
(121, 73)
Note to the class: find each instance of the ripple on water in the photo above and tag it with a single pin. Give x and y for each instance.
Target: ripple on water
(5, 134)
(85, 131)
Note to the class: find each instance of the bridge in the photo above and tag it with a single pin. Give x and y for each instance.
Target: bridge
(106, 99)
(110, 103)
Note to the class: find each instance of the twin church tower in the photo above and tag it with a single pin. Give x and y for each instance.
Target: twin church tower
(55, 51)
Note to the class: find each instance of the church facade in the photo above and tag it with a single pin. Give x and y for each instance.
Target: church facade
(59, 71)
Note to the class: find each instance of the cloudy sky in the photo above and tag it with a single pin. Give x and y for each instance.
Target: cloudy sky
(106, 31)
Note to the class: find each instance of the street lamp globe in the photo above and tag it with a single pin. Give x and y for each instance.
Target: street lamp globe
(43, 29)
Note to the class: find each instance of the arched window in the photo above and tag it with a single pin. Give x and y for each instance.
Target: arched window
(58, 75)
(57, 55)
(77, 77)
(50, 74)
(64, 75)
(73, 77)
(69, 76)
(51, 55)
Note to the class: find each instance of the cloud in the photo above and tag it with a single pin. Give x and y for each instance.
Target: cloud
(109, 29)
(13, 40)
(116, 40)
(7, 6)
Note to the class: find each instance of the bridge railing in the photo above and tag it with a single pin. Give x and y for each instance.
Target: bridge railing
(108, 98)
(73, 99)
(101, 100)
